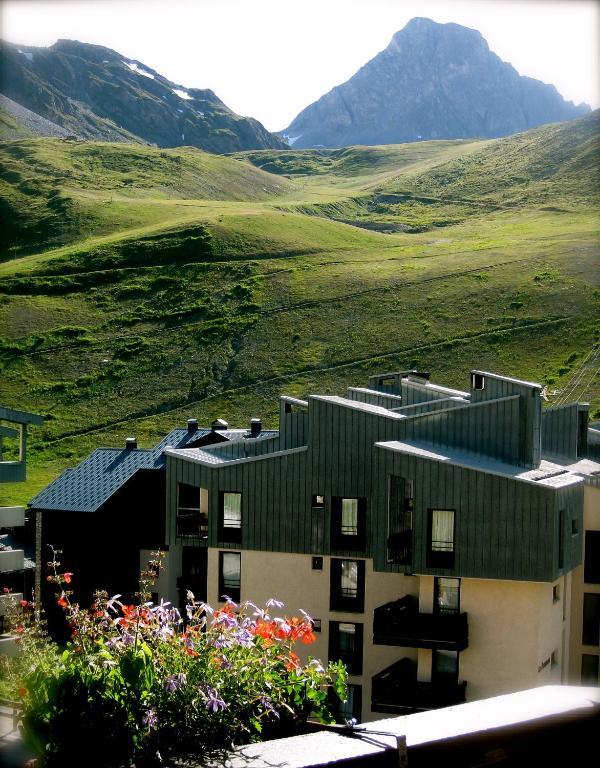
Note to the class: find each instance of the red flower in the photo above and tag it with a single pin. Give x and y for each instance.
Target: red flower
(6, 590)
(62, 601)
(67, 577)
(293, 663)
(22, 692)
(23, 603)
(19, 629)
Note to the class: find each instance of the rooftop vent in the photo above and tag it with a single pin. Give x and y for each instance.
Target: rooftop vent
(192, 425)
(130, 443)
(255, 427)
(219, 425)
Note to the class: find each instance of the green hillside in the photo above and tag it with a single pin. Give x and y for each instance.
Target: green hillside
(182, 284)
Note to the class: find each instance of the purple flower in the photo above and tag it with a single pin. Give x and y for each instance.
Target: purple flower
(272, 602)
(214, 703)
(173, 682)
(150, 719)
(128, 639)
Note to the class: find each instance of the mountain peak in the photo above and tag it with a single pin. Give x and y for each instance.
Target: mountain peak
(433, 81)
(96, 93)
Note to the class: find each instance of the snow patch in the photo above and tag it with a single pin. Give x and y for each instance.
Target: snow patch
(138, 70)
(291, 140)
(27, 54)
(182, 94)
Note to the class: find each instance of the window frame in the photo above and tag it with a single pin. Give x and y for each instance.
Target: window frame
(185, 522)
(235, 592)
(338, 601)
(590, 625)
(228, 533)
(440, 558)
(353, 660)
(348, 542)
(591, 561)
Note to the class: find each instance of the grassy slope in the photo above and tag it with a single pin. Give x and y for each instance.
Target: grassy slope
(171, 302)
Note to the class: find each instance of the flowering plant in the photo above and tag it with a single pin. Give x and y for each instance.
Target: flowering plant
(136, 682)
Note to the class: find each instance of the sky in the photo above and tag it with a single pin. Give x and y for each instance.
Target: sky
(269, 59)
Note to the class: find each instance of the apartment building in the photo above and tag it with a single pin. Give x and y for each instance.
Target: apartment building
(16, 569)
(428, 531)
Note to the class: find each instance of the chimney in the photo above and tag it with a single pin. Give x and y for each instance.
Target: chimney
(219, 425)
(130, 443)
(192, 426)
(255, 427)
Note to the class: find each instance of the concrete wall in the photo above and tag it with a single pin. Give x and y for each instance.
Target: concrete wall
(591, 522)
(514, 627)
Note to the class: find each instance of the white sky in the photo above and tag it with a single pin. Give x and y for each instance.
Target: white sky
(271, 59)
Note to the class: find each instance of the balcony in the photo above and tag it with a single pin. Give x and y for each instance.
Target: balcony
(192, 525)
(401, 623)
(396, 690)
(11, 560)
(12, 517)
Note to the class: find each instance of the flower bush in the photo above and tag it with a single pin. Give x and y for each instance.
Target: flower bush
(137, 683)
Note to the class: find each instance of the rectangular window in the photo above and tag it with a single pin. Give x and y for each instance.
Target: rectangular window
(591, 619)
(192, 511)
(561, 538)
(346, 644)
(441, 538)
(352, 707)
(446, 598)
(589, 669)
(230, 573)
(400, 521)
(477, 381)
(348, 522)
(318, 501)
(347, 588)
(444, 667)
(230, 517)
(591, 569)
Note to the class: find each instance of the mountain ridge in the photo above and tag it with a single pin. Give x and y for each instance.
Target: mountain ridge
(433, 81)
(96, 93)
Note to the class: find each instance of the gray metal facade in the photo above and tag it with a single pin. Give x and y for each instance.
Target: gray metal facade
(478, 453)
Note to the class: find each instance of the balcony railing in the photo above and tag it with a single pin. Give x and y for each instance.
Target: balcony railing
(192, 524)
(11, 560)
(399, 547)
(396, 690)
(12, 517)
(401, 623)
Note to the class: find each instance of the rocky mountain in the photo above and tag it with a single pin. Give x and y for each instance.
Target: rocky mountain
(96, 93)
(433, 81)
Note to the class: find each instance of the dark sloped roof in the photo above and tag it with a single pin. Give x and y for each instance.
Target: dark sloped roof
(89, 485)
(86, 487)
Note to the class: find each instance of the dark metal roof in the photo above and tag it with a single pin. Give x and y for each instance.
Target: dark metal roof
(89, 485)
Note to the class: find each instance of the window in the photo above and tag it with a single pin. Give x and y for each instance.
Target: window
(574, 526)
(591, 570)
(192, 511)
(348, 518)
(556, 593)
(347, 585)
(316, 625)
(446, 598)
(589, 669)
(352, 707)
(400, 514)
(230, 572)
(561, 538)
(477, 381)
(591, 619)
(230, 517)
(441, 538)
(445, 668)
(346, 644)
(318, 501)
(317, 563)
